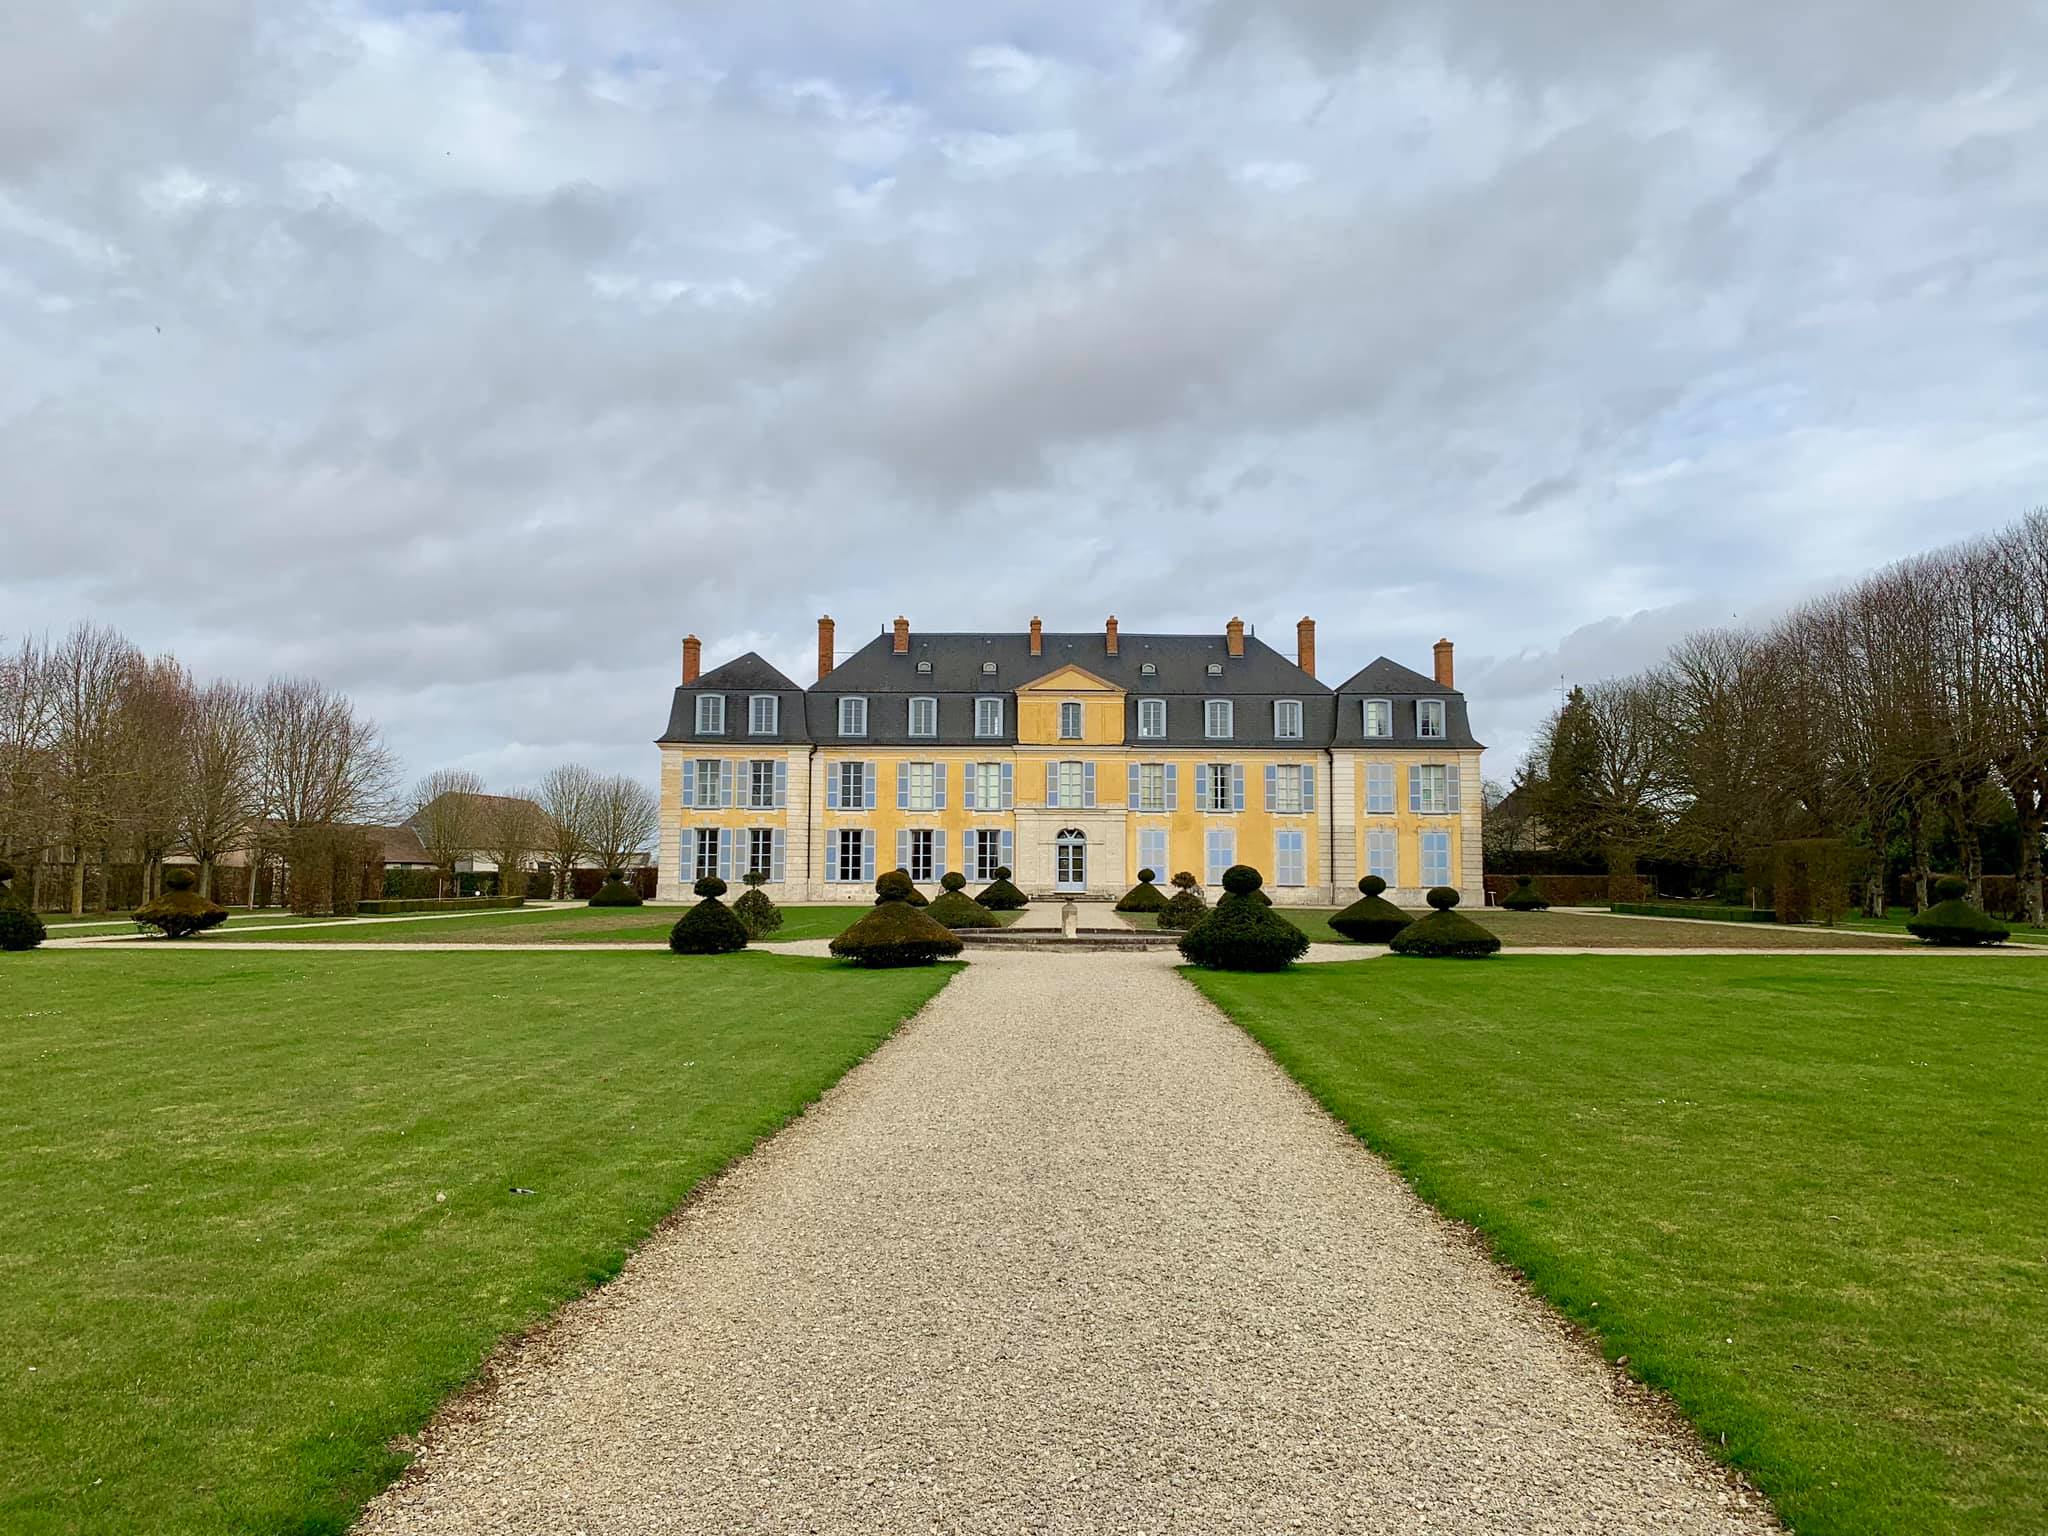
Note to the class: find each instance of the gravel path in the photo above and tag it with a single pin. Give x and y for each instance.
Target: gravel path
(1069, 1254)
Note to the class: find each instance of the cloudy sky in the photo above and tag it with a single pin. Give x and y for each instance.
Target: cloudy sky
(465, 356)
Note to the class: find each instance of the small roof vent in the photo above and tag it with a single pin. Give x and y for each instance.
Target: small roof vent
(924, 666)
(1148, 669)
(1215, 669)
(988, 669)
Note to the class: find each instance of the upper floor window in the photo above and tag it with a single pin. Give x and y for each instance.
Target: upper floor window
(1429, 719)
(1379, 717)
(761, 777)
(1292, 789)
(924, 717)
(1070, 721)
(1432, 789)
(764, 712)
(853, 717)
(853, 786)
(710, 714)
(988, 717)
(1220, 787)
(1217, 720)
(1071, 787)
(1287, 719)
(1379, 790)
(920, 786)
(1150, 779)
(1152, 719)
(707, 786)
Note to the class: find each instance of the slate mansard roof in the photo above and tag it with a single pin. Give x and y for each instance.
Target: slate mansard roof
(1180, 675)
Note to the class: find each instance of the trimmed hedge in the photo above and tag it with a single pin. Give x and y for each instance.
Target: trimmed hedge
(1003, 896)
(616, 893)
(1811, 877)
(1243, 933)
(1558, 890)
(912, 894)
(1707, 911)
(1144, 896)
(1186, 906)
(708, 928)
(180, 911)
(1525, 897)
(20, 928)
(1444, 934)
(894, 933)
(957, 909)
(384, 906)
(1952, 923)
(1372, 919)
(756, 909)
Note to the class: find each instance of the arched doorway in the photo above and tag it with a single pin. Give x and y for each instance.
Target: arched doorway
(1070, 860)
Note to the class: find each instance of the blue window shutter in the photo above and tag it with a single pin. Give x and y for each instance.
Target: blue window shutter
(1414, 791)
(903, 848)
(725, 853)
(1052, 785)
(1452, 775)
(867, 775)
(970, 778)
(689, 781)
(831, 786)
(1131, 794)
(1202, 796)
(1172, 787)
(832, 842)
(1272, 785)
(1009, 787)
(1009, 855)
(1237, 786)
(867, 855)
(781, 782)
(1088, 784)
(778, 847)
(903, 786)
(939, 789)
(939, 854)
(1308, 787)
(725, 786)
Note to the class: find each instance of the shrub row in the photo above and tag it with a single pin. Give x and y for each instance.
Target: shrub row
(1700, 909)
(384, 906)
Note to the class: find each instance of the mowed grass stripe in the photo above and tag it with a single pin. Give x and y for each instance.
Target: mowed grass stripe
(1803, 1195)
(221, 1248)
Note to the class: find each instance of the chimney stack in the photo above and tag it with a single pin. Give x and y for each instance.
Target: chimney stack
(902, 646)
(1305, 646)
(1109, 635)
(1443, 663)
(693, 658)
(1233, 634)
(824, 646)
(1037, 637)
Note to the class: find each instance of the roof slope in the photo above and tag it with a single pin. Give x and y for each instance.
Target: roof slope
(1382, 675)
(1181, 662)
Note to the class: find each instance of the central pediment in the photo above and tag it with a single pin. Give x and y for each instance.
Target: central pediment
(1071, 679)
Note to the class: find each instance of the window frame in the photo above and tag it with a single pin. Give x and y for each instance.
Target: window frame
(1365, 719)
(860, 701)
(1299, 724)
(1441, 715)
(1373, 770)
(931, 785)
(928, 836)
(1424, 772)
(858, 768)
(755, 766)
(1078, 799)
(754, 703)
(1148, 804)
(1147, 704)
(707, 838)
(766, 839)
(992, 701)
(1080, 718)
(1209, 731)
(1383, 840)
(1282, 837)
(1282, 773)
(1422, 850)
(717, 703)
(1223, 783)
(849, 841)
(911, 718)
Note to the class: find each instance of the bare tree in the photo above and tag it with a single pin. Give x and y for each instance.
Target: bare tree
(218, 805)
(89, 671)
(321, 768)
(154, 720)
(624, 819)
(28, 732)
(565, 796)
(513, 830)
(447, 814)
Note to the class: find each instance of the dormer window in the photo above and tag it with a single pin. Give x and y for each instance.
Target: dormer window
(1429, 719)
(1215, 669)
(853, 717)
(1216, 720)
(710, 714)
(988, 669)
(1287, 719)
(764, 712)
(924, 666)
(1147, 669)
(1379, 718)
(988, 717)
(1070, 720)
(924, 717)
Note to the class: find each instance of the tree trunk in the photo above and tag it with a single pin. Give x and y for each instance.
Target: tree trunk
(1969, 850)
(78, 883)
(206, 876)
(2027, 806)
(1916, 831)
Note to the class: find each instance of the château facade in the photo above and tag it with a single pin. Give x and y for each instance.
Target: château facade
(1075, 759)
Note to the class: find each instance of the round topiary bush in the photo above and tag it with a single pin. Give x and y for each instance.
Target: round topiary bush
(20, 928)
(615, 892)
(1524, 897)
(1371, 919)
(757, 913)
(911, 893)
(708, 928)
(1185, 907)
(894, 933)
(1002, 896)
(1444, 934)
(180, 911)
(1952, 922)
(1144, 896)
(1243, 933)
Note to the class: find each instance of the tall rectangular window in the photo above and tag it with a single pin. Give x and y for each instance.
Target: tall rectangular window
(1217, 719)
(707, 853)
(920, 865)
(924, 717)
(1152, 719)
(1070, 721)
(710, 714)
(1436, 858)
(761, 851)
(1152, 852)
(988, 717)
(1287, 719)
(764, 711)
(761, 784)
(1429, 719)
(707, 782)
(988, 786)
(853, 717)
(1222, 795)
(1222, 853)
(1290, 858)
(1287, 789)
(1379, 789)
(1071, 782)
(846, 856)
(988, 853)
(1379, 717)
(853, 786)
(921, 795)
(1379, 853)
(1430, 789)
(1151, 787)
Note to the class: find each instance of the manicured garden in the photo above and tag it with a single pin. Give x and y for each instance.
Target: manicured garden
(1802, 1195)
(1572, 930)
(559, 925)
(264, 1211)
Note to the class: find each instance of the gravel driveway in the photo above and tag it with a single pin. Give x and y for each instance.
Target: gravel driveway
(1068, 1254)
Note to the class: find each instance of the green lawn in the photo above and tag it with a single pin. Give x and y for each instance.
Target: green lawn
(1807, 1197)
(1551, 930)
(228, 1278)
(1894, 921)
(563, 925)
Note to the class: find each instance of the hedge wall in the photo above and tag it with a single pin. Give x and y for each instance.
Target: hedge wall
(1558, 890)
(385, 907)
(583, 883)
(1698, 909)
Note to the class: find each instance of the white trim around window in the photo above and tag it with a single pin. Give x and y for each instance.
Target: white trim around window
(924, 717)
(1218, 719)
(1429, 719)
(764, 714)
(988, 717)
(1152, 719)
(1377, 719)
(710, 714)
(853, 716)
(1287, 719)
(1072, 719)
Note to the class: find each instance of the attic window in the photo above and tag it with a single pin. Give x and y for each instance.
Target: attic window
(988, 669)
(1147, 669)
(924, 666)
(1215, 669)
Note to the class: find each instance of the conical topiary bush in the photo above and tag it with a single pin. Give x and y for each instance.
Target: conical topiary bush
(1952, 922)
(1372, 919)
(1144, 896)
(1185, 907)
(894, 933)
(20, 928)
(708, 928)
(180, 911)
(956, 909)
(1243, 933)
(1002, 896)
(615, 892)
(1444, 934)
(755, 909)
(1524, 897)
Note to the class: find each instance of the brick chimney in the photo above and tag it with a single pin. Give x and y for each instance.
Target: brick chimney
(1305, 646)
(1037, 637)
(1109, 635)
(902, 646)
(693, 658)
(1443, 663)
(824, 646)
(1233, 634)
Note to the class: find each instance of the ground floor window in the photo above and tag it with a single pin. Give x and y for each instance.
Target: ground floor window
(1290, 858)
(1436, 858)
(761, 851)
(1152, 852)
(1379, 854)
(919, 863)
(707, 853)
(988, 853)
(847, 857)
(1222, 849)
